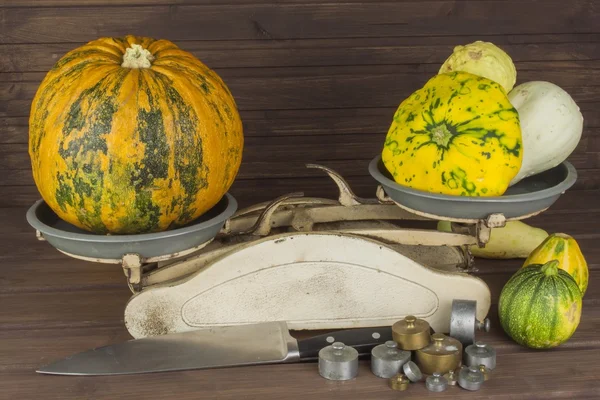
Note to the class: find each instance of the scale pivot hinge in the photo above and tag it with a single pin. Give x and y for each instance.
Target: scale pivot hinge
(495, 221)
(469, 265)
(382, 196)
(484, 227)
(132, 267)
(39, 236)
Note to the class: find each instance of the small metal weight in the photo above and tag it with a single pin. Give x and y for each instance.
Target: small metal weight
(480, 354)
(436, 383)
(470, 378)
(399, 382)
(412, 371)
(411, 333)
(338, 362)
(451, 377)
(464, 323)
(387, 359)
(485, 371)
(441, 355)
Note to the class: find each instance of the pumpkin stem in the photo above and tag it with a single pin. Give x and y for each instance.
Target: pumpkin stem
(137, 57)
(550, 268)
(562, 235)
(440, 135)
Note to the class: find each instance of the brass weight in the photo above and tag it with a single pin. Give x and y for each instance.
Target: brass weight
(443, 354)
(411, 333)
(399, 382)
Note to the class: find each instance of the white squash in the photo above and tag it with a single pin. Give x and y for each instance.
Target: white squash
(551, 126)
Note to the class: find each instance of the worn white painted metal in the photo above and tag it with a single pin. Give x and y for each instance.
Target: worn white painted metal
(446, 258)
(316, 264)
(312, 280)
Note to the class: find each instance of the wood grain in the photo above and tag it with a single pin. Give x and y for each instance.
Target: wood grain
(315, 82)
(80, 3)
(60, 343)
(295, 21)
(56, 343)
(326, 52)
(73, 308)
(539, 376)
(562, 70)
(535, 374)
(322, 87)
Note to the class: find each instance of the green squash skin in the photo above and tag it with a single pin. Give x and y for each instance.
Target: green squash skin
(540, 310)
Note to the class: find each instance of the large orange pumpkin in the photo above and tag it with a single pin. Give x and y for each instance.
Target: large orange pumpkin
(133, 135)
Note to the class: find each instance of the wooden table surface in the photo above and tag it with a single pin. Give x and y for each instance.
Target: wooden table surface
(315, 81)
(53, 306)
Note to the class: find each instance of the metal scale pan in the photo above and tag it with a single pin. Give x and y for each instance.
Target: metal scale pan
(149, 247)
(528, 197)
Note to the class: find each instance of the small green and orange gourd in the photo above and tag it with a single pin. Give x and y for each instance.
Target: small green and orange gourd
(565, 249)
(133, 135)
(457, 135)
(540, 306)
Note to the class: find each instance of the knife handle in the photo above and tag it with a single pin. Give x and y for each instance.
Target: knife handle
(362, 339)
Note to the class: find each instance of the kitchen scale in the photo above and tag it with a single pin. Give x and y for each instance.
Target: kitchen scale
(315, 263)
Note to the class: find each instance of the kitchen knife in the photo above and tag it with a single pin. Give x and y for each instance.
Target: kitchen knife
(230, 346)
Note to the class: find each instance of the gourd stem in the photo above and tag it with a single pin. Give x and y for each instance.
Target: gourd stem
(441, 135)
(550, 268)
(562, 235)
(137, 57)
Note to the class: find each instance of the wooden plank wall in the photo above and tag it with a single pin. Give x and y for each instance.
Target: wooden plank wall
(315, 81)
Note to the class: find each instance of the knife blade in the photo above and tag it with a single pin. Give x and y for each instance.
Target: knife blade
(218, 347)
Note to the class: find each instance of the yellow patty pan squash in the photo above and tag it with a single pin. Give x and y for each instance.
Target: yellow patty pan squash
(483, 59)
(457, 135)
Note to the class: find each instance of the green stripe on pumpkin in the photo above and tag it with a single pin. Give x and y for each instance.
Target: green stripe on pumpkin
(189, 165)
(85, 176)
(511, 290)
